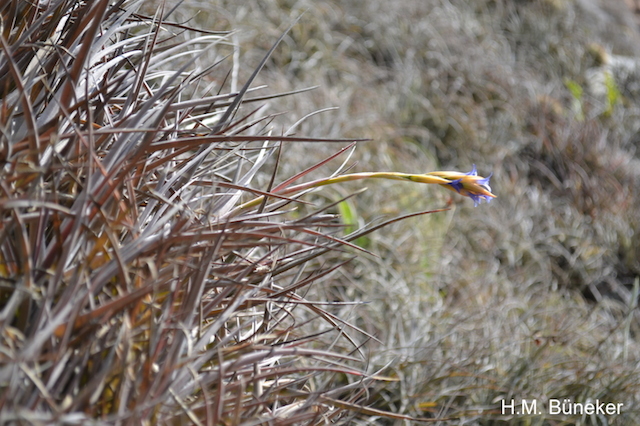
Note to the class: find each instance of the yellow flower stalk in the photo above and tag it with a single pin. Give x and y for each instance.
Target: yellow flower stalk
(468, 184)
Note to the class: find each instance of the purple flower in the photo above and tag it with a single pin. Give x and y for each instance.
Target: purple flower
(468, 184)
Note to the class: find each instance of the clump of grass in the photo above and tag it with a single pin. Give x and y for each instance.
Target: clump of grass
(496, 313)
(132, 287)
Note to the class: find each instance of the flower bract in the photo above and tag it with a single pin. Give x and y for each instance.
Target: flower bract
(468, 184)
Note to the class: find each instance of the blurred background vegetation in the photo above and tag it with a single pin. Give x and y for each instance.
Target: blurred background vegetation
(532, 296)
(529, 296)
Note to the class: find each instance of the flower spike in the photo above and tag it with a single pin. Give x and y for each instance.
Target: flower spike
(468, 184)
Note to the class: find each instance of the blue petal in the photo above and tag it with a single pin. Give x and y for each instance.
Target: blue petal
(473, 171)
(456, 184)
(478, 198)
(485, 182)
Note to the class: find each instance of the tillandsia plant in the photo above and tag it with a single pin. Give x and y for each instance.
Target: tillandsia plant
(129, 293)
(468, 184)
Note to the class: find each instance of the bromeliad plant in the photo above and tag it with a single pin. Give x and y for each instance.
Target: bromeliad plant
(467, 184)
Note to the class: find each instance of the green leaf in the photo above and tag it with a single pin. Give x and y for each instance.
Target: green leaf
(576, 91)
(350, 219)
(613, 93)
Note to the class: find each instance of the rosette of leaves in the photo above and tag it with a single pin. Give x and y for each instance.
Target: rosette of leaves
(128, 292)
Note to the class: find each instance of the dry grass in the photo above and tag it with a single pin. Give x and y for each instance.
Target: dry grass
(135, 287)
(531, 296)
